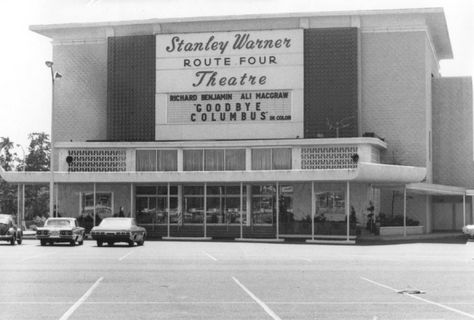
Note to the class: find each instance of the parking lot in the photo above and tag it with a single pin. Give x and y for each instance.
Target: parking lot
(238, 280)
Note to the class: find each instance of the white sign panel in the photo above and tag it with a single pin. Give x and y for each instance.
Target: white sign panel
(239, 69)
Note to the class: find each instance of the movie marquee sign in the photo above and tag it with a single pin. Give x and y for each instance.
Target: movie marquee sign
(229, 76)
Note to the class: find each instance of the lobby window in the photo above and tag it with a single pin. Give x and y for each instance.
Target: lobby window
(156, 160)
(271, 159)
(152, 205)
(223, 204)
(263, 204)
(330, 206)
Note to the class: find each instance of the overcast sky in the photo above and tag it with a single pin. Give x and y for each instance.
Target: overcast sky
(25, 86)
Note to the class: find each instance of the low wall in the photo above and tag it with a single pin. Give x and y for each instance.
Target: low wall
(398, 231)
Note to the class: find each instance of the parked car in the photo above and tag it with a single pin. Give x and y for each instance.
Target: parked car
(112, 230)
(9, 231)
(469, 230)
(60, 230)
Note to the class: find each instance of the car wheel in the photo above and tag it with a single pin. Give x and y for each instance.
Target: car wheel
(131, 243)
(81, 242)
(43, 242)
(19, 240)
(72, 243)
(110, 243)
(99, 243)
(141, 242)
(13, 240)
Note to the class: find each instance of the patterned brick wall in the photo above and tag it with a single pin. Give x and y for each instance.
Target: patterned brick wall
(452, 132)
(330, 83)
(394, 94)
(81, 94)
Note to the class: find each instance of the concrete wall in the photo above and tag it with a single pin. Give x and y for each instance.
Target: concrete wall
(453, 132)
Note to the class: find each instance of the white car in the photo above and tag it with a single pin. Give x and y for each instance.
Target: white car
(469, 230)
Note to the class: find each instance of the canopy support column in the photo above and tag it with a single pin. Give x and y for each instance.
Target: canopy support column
(404, 211)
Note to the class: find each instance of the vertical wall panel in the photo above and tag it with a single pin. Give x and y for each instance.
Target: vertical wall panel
(131, 88)
(330, 83)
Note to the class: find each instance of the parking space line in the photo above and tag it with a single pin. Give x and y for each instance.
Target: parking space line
(123, 257)
(38, 256)
(81, 300)
(422, 299)
(260, 302)
(207, 254)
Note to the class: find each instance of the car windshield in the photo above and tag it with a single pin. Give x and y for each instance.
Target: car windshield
(58, 223)
(116, 223)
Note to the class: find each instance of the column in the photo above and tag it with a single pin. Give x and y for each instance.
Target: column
(313, 209)
(277, 210)
(205, 210)
(241, 210)
(404, 211)
(95, 204)
(169, 210)
(348, 209)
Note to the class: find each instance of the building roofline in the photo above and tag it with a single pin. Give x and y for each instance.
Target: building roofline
(435, 20)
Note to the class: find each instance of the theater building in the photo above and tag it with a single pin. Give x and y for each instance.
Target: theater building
(261, 126)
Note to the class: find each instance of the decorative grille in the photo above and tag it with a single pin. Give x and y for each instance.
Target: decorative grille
(328, 157)
(102, 160)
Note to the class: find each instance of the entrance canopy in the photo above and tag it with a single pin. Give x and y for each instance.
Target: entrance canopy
(436, 189)
(364, 172)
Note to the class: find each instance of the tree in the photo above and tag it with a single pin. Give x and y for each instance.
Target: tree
(39, 151)
(38, 159)
(8, 198)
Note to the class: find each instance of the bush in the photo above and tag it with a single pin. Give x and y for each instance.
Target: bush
(396, 221)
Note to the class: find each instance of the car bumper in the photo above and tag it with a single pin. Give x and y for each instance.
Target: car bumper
(112, 238)
(6, 237)
(57, 239)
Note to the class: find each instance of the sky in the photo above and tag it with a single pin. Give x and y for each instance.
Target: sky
(25, 81)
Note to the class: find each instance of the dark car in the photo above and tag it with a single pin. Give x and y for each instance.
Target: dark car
(60, 230)
(112, 230)
(9, 231)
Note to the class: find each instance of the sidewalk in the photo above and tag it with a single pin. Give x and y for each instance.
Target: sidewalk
(416, 237)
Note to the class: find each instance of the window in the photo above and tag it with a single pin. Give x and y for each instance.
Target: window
(193, 160)
(330, 206)
(156, 160)
(235, 159)
(271, 159)
(214, 160)
(223, 204)
(263, 204)
(152, 204)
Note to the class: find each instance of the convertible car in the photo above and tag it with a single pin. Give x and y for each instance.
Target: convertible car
(112, 230)
(9, 231)
(60, 230)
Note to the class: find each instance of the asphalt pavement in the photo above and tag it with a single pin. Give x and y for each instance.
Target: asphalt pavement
(237, 280)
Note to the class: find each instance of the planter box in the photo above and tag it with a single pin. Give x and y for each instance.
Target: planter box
(398, 231)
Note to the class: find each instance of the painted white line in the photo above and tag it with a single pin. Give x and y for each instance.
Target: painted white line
(81, 300)
(38, 256)
(207, 254)
(123, 257)
(224, 302)
(260, 302)
(422, 299)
